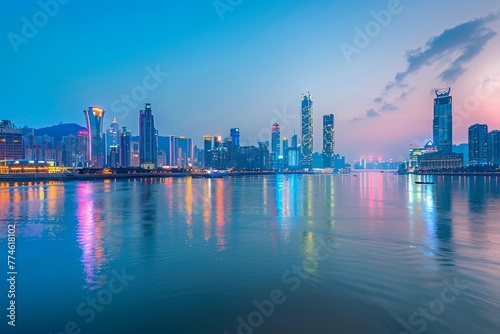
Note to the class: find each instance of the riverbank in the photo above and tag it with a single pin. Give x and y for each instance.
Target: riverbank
(89, 177)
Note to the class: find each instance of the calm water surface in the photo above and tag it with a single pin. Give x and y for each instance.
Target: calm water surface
(336, 254)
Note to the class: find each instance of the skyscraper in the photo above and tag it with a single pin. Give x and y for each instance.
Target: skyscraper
(494, 147)
(82, 148)
(307, 130)
(112, 137)
(94, 117)
(442, 124)
(328, 141)
(275, 145)
(11, 141)
(285, 152)
(263, 158)
(124, 147)
(478, 144)
(182, 151)
(148, 138)
(207, 148)
(235, 136)
(294, 141)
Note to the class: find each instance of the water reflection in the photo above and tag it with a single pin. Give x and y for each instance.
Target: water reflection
(89, 234)
(444, 221)
(207, 210)
(219, 215)
(148, 209)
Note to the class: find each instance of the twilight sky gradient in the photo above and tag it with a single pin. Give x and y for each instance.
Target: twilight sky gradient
(247, 69)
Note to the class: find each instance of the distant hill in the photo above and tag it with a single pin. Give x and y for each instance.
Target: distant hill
(60, 130)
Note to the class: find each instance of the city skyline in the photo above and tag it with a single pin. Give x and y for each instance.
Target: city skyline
(458, 50)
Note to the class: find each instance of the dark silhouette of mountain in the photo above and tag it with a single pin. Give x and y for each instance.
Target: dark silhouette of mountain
(59, 130)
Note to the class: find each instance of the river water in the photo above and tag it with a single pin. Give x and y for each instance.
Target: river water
(375, 253)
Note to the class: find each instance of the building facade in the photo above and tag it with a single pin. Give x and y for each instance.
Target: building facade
(207, 151)
(494, 147)
(307, 130)
(112, 138)
(11, 141)
(124, 147)
(275, 146)
(148, 138)
(443, 121)
(94, 117)
(478, 144)
(328, 153)
(439, 161)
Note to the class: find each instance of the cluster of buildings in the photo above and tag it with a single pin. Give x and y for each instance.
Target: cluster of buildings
(482, 149)
(115, 147)
(96, 147)
(278, 154)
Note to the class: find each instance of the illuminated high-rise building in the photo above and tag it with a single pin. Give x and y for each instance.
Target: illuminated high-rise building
(82, 148)
(478, 144)
(275, 145)
(124, 147)
(494, 147)
(207, 148)
(112, 137)
(285, 152)
(307, 130)
(148, 138)
(114, 156)
(328, 141)
(235, 136)
(94, 117)
(443, 123)
(11, 141)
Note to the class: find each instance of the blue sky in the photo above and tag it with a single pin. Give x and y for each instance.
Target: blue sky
(246, 63)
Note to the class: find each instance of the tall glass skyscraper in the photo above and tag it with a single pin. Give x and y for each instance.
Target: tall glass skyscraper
(307, 130)
(275, 145)
(478, 144)
(94, 117)
(494, 147)
(294, 141)
(112, 137)
(235, 136)
(148, 142)
(207, 147)
(328, 141)
(125, 148)
(443, 123)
